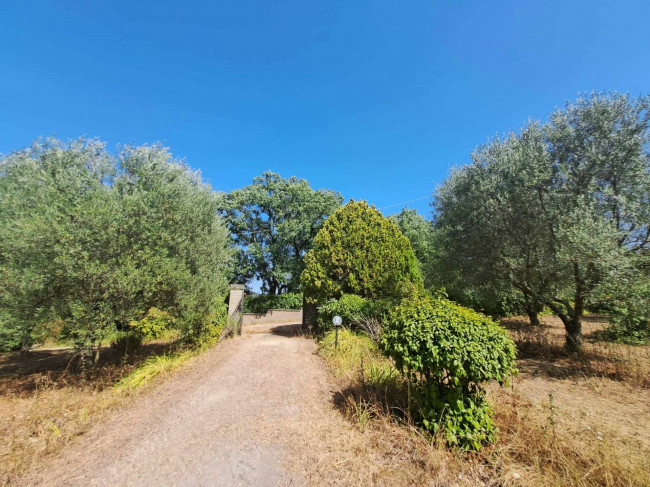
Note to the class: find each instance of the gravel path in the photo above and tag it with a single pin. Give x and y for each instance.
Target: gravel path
(256, 410)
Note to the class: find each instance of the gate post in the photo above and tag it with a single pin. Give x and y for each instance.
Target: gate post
(236, 305)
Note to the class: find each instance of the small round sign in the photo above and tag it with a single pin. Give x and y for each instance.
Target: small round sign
(337, 321)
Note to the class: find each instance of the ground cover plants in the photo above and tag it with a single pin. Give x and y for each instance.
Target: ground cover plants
(261, 303)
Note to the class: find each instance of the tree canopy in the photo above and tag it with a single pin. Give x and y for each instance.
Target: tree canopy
(97, 240)
(555, 210)
(274, 221)
(359, 251)
(421, 234)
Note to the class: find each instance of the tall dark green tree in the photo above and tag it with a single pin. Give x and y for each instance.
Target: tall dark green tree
(421, 234)
(274, 221)
(359, 251)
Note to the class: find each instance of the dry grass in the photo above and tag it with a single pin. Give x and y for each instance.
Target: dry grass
(542, 441)
(44, 403)
(620, 362)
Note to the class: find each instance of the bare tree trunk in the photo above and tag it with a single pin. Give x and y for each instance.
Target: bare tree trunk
(97, 352)
(532, 310)
(573, 326)
(533, 316)
(574, 334)
(26, 343)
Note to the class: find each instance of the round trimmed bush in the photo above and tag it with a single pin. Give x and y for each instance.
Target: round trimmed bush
(448, 352)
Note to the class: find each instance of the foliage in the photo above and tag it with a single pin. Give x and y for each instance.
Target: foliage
(97, 240)
(447, 352)
(359, 251)
(274, 221)
(261, 303)
(548, 214)
(10, 334)
(126, 342)
(153, 324)
(353, 310)
(207, 331)
(422, 235)
(630, 309)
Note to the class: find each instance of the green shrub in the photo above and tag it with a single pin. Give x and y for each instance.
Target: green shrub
(154, 323)
(631, 316)
(10, 333)
(448, 352)
(127, 342)
(206, 331)
(261, 303)
(353, 310)
(489, 301)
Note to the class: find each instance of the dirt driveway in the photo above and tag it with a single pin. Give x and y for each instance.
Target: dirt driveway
(256, 410)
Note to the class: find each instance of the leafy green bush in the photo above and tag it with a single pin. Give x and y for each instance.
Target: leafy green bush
(154, 323)
(10, 334)
(359, 251)
(631, 316)
(447, 352)
(261, 303)
(489, 301)
(127, 342)
(353, 310)
(202, 331)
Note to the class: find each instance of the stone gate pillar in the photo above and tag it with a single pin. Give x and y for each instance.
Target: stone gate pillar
(236, 304)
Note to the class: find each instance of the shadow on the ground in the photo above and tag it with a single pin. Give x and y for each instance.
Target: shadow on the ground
(541, 353)
(22, 373)
(291, 330)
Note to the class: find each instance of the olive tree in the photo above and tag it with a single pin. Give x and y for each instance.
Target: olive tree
(96, 240)
(557, 209)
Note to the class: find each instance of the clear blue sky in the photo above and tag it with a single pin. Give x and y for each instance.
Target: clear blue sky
(376, 99)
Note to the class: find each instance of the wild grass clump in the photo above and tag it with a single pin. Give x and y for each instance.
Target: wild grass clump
(152, 367)
(372, 383)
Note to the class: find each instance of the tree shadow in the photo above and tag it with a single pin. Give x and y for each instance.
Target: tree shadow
(289, 330)
(542, 354)
(24, 373)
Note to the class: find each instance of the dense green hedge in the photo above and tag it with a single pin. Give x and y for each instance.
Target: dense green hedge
(261, 303)
(447, 352)
(352, 309)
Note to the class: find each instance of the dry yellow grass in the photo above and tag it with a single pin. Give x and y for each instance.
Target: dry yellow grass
(545, 437)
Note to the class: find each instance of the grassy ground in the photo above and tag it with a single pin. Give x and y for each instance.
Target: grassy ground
(565, 420)
(44, 403)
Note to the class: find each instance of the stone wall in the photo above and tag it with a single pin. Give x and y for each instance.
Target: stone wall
(274, 316)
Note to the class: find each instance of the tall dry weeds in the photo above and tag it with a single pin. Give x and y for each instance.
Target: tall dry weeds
(533, 448)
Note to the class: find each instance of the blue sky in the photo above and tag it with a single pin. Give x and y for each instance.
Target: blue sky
(376, 99)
